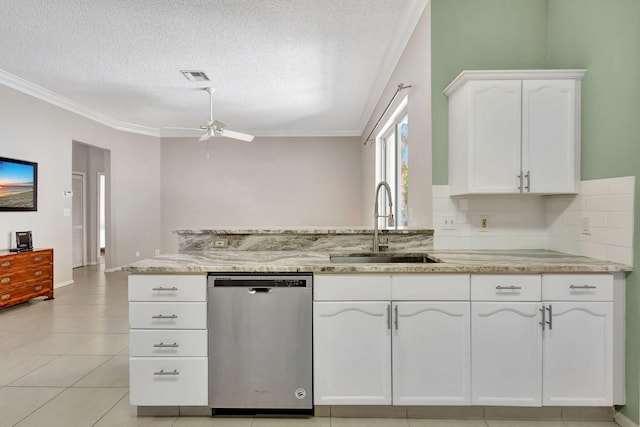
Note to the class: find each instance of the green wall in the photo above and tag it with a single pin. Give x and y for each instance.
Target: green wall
(480, 35)
(601, 36)
(604, 38)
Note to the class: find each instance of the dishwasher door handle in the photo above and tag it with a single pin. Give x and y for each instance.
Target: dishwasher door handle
(260, 290)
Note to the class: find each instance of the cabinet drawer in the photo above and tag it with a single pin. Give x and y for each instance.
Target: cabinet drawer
(357, 287)
(168, 381)
(430, 287)
(175, 315)
(506, 287)
(168, 343)
(167, 287)
(577, 287)
(25, 260)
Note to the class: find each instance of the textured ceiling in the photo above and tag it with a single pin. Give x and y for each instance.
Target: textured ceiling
(280, 67)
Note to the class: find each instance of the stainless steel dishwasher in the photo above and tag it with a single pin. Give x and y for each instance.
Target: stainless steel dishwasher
(260, 343)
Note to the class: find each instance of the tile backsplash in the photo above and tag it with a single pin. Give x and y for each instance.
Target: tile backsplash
(597, 222)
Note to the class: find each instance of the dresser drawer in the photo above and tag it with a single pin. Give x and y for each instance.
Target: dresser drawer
(167, 287)
(506, 287)
(430, 287)
(577, 287)
(174, 315)
(352, 287)
(168, 381)
(168, 343)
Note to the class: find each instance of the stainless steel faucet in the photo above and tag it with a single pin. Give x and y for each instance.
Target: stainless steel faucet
(376, 238)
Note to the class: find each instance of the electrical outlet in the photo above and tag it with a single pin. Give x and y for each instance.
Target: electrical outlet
(221, 243)
(157, 252)
(137, 254)
(585, 225)
(448, 222)
(484, 222)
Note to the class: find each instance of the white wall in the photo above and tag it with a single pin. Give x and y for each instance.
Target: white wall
(34, 130)
(413, 68)
(271, 182)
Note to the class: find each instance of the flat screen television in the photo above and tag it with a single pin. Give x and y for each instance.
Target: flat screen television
(18, 185)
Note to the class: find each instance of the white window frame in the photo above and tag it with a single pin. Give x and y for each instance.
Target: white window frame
(381, 162)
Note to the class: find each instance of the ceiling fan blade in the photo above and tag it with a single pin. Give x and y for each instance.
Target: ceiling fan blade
(181, 128)
(205, 137)
(236, 135)
(217, 124)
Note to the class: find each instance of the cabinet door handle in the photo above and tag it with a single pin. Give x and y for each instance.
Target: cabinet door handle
(37, 273)
(396, 316)
(542, 310)
(528, 176)
(163, 345)
(173, 288)
(38, 258)
(550, 321)
(520, 182)
(508, 288)
(37, 288)
(389, 316)
(582, 287)
(162, 372)
(5, 280)
(5, 264)
(6, 296)
(164, 316)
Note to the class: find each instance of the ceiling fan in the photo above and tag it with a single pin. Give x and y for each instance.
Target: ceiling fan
(216, 128)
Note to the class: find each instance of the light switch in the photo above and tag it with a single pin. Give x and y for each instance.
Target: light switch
(66, 212)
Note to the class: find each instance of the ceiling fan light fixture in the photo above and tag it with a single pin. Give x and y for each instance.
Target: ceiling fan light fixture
(195, 75)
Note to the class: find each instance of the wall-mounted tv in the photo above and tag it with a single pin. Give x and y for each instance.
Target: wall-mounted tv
(18, 185)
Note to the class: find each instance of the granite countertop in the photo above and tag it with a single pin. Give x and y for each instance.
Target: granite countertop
(481, 261)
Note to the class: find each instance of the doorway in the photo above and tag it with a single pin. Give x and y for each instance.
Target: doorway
(102, 237)
(78, 215)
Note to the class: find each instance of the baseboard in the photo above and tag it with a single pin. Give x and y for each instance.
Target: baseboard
(61, 284)
(624, 421)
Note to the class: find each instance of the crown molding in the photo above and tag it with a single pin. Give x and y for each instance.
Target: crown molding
(468, 75)
(396, 48)
(186, 133)
(53, 98)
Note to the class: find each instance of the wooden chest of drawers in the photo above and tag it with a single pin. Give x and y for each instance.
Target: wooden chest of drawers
(25, 275)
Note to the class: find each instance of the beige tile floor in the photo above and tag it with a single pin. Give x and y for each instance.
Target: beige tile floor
(64, 363)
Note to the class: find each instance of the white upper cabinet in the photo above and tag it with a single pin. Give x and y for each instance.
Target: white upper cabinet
(514, 132)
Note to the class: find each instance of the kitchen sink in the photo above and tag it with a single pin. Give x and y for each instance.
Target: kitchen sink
(382, 258)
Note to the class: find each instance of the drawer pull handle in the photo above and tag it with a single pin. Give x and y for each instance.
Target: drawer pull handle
(162, 372)
(38, 258)
(38, 273)
(6, 264)
(6, 296)
(508, 288)
(163, 345)
(38, 288)
(164, 316)
(582, 287)
(165, 289)
(550, 321)
(5, 280)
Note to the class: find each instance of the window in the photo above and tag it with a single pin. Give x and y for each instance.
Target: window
(392, 166)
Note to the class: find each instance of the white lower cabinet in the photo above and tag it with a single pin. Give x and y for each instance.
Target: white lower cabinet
(578, 340)
(168, 340)
(506, 344)
(354, 342)
(431, 353)
(352, 353)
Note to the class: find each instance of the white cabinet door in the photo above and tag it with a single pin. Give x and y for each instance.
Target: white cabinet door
(431, 361)
(352, 353)
(578, 354)
(494, 130)
(550, 136)
(506, 349)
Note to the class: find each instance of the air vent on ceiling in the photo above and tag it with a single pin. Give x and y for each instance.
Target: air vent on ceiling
(195, 76)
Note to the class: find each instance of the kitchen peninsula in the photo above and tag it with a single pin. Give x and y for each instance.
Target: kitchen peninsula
(474, 328)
